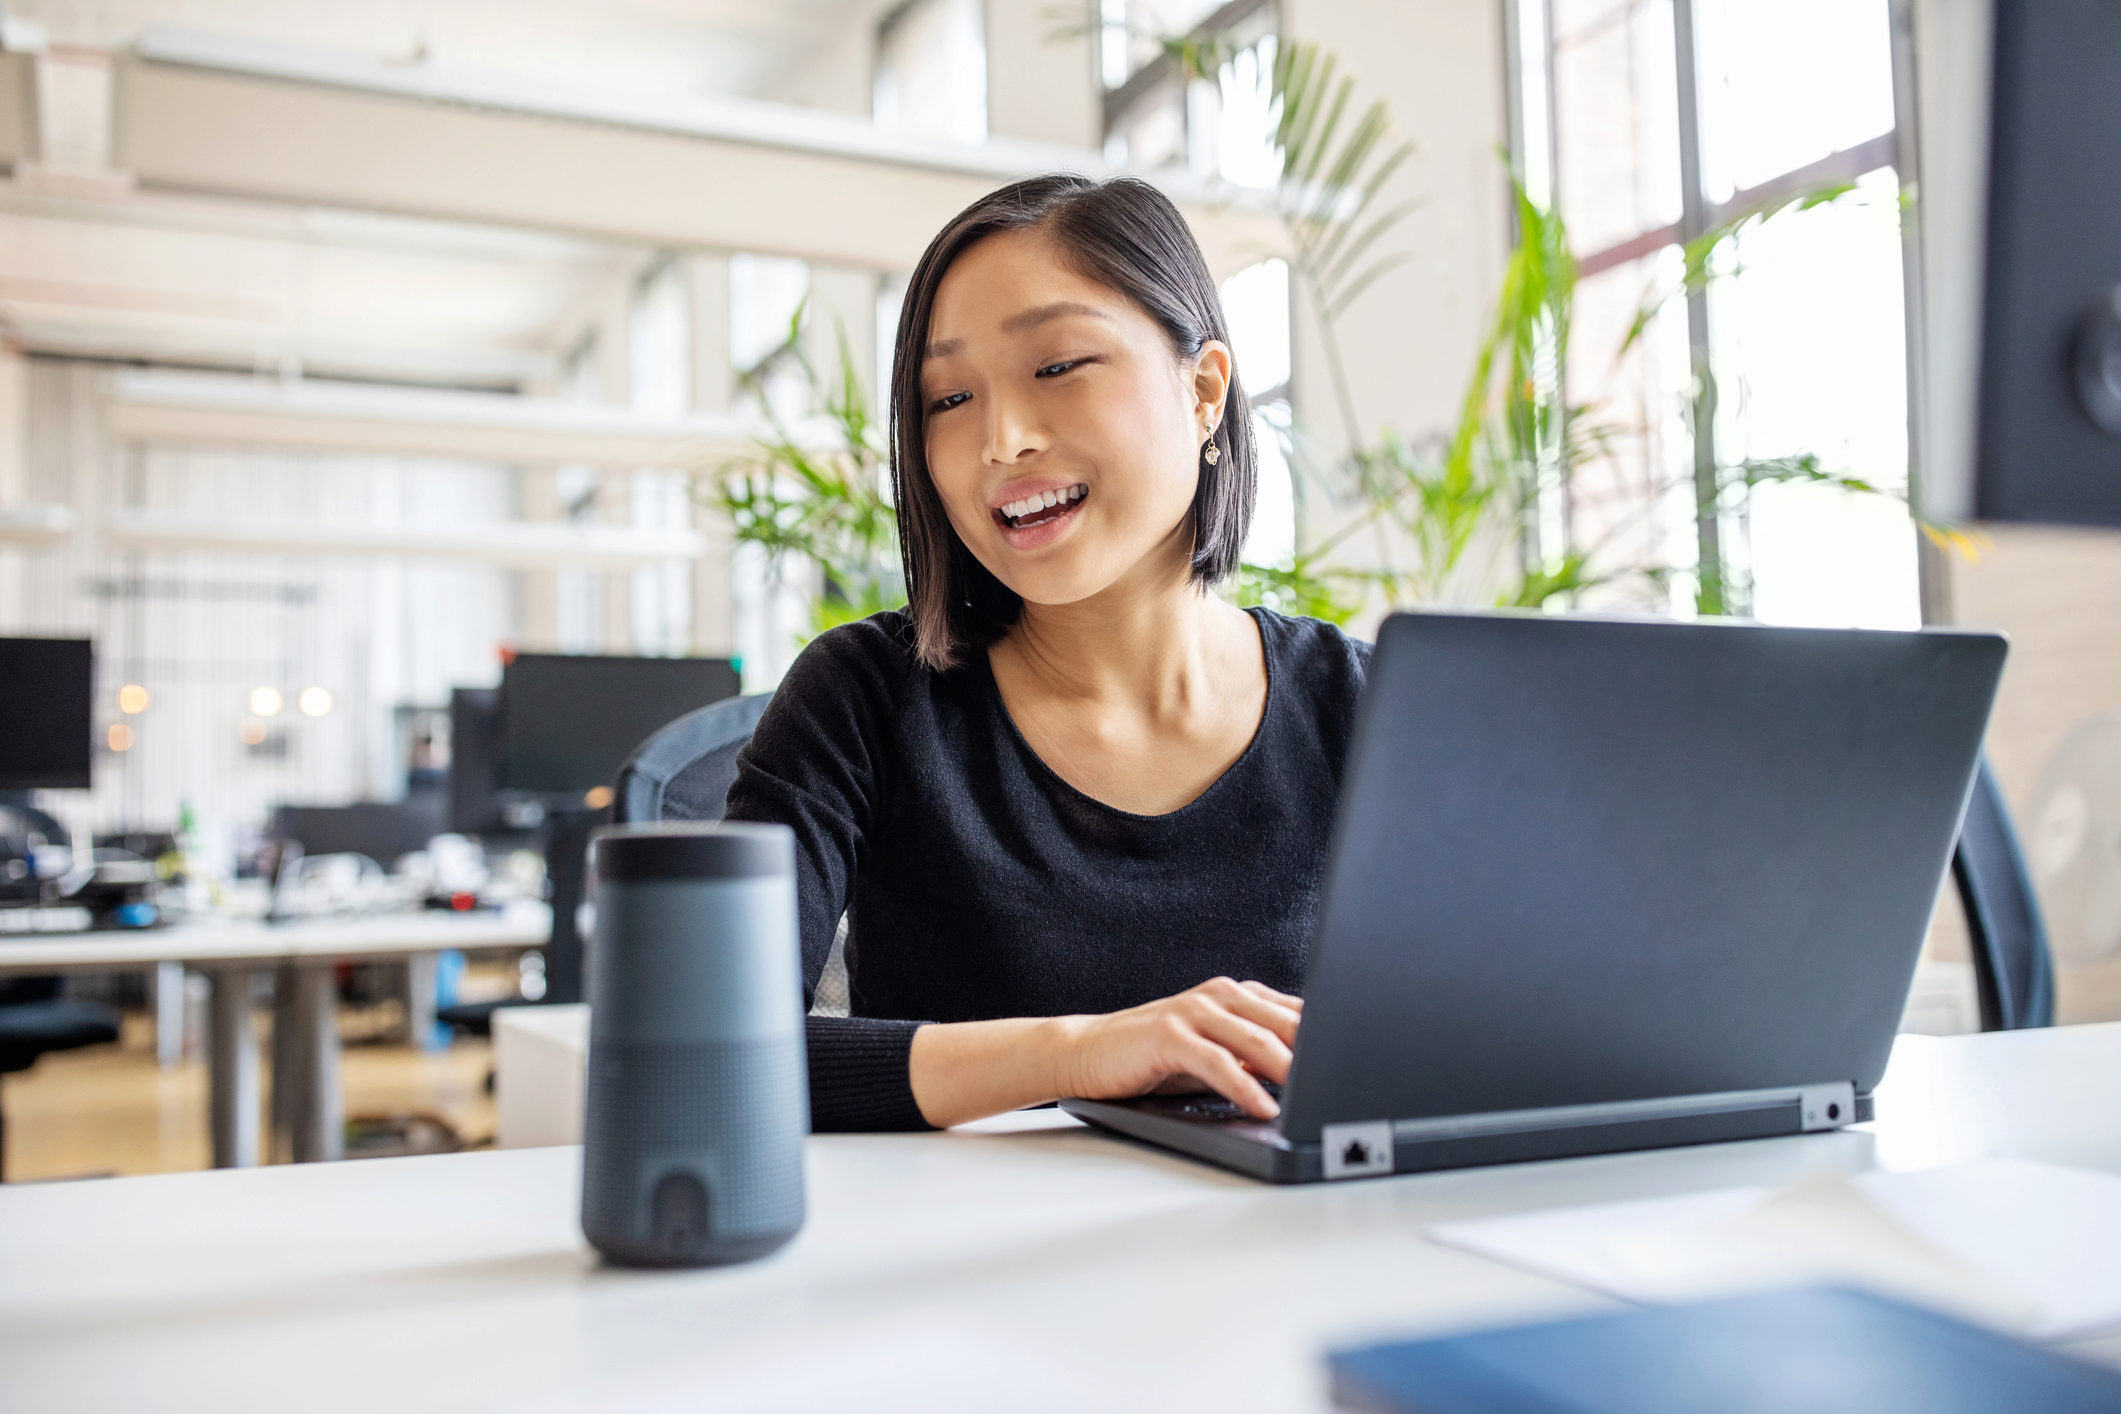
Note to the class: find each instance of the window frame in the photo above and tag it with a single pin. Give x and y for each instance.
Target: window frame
(1534, 143)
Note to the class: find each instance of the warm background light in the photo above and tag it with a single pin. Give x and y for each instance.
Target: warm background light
(134, 699)
(253, 731)
(315, 701)
(120, 737)
(265, 701)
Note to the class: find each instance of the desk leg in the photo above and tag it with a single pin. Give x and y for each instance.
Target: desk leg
(422, 976)
(319, 1118)
(288, 1081)
(169, 1013)
(233, 1047)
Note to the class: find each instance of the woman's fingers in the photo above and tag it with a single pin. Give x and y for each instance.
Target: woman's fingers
(1262, 1011)
(1224, 1034)
(1255, 1045)
(1261, 989)
(1215, 1066)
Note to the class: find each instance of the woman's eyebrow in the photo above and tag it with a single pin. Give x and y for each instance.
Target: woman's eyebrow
(1032, 318)
(1020, 321)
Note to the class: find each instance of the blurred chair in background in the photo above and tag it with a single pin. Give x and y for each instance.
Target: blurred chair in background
(2013, 971)
(684, 771)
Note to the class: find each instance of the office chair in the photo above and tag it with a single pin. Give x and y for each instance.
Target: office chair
(35, 1020)
(682, 772)
(2013, 972)
(685, 770)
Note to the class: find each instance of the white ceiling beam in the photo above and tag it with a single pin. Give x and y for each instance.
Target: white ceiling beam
(240, 118)
(169, 409)
(519, 544)
(119, 335)
(27, 523)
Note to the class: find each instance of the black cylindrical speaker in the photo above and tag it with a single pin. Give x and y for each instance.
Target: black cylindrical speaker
(692, 1135)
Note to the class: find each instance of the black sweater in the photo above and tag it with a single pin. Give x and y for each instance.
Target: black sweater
(979, 884)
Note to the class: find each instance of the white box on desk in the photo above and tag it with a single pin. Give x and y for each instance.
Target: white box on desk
(541, 1072)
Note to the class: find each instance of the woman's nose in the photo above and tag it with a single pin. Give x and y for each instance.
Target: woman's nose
(1013, 431)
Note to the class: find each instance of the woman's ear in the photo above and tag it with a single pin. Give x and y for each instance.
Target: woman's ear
(1211, 382)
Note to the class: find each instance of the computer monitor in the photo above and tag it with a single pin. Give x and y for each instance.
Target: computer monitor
(569, 721)
(47, 702)
(2048, 435)
(382, 830)
(476, 804)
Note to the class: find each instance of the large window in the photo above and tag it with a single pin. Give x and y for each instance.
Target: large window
(767, 296)
(1256, 304)
(659, 372)
(1156, 118)
(1650, 123)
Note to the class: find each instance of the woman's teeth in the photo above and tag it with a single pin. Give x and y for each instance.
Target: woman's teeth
(1039, 501)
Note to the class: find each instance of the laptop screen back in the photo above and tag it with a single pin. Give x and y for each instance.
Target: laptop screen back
(1580, 861)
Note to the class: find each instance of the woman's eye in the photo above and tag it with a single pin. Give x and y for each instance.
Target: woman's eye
(947, 401)
(1053, 370)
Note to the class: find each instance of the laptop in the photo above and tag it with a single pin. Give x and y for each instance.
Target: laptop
(1600, 885)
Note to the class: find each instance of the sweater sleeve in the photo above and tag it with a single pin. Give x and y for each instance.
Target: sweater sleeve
(818, 763)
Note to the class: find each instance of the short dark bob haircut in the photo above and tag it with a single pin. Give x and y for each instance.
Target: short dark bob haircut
(1127, 236)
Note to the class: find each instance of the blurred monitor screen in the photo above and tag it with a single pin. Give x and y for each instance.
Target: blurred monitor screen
(382, 830)
(568, 722)
(2050, 406)
(475, 800)
(47, 724)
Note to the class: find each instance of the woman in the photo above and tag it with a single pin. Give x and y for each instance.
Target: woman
(1067, 794)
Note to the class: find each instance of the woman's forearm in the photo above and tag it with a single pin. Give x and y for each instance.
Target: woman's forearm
(967, 1070)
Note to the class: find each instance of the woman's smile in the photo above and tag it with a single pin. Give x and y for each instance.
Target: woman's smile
(1033, 516)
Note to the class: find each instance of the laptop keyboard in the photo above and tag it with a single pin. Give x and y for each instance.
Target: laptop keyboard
(1206, 1109)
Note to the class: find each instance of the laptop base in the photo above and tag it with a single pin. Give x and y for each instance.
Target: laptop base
(1259, 1150)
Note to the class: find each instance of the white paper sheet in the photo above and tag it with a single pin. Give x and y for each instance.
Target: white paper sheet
(2030, 1247)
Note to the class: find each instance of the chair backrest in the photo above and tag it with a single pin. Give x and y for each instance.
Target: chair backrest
(2013, 972)
(685, 770)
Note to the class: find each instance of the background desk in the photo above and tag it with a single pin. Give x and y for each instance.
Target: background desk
(306, 1039)
(1021, 1264)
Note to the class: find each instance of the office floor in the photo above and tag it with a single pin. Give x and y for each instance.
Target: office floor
(113, 1110)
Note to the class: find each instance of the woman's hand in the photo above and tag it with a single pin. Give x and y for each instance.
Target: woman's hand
(1222, 1035)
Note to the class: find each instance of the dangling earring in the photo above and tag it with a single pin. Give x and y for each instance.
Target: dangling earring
(1210, 453)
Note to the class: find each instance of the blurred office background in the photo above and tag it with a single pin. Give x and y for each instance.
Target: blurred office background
(343, 347)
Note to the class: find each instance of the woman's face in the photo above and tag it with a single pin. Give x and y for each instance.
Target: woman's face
(1062, 432)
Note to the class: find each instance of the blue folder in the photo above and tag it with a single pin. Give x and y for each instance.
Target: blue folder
(1824, 1351)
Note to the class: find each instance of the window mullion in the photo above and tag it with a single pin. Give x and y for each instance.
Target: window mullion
(1712, 594)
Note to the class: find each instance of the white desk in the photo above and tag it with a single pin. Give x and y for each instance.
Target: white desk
(1042, 1266)
(305, 1034)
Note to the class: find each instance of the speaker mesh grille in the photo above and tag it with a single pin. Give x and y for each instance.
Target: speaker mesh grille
(732, 1112)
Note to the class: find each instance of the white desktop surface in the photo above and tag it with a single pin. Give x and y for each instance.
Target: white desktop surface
(1028, 1263)
(207, 942)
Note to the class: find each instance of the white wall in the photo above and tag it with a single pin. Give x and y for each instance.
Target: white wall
(1409, 344)
(838, 76)
(1040, 85)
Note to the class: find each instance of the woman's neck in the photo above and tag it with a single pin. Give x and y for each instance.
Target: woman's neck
(1156, 643)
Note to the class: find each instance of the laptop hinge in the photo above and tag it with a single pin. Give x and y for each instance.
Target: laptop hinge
(1814, 1107)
